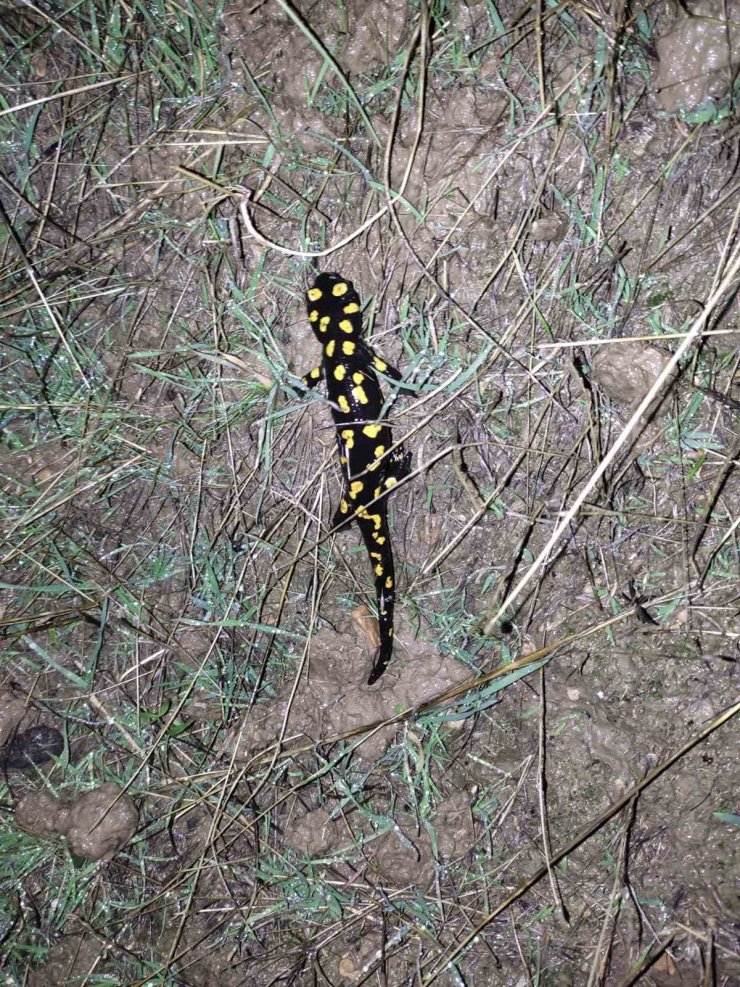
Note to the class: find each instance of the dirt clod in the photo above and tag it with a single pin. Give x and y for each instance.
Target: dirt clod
(97, 823)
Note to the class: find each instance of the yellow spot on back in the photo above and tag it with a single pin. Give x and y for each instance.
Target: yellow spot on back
(351, 308)
(379, 450)
(314, 294)
(313, 315)
(357, 378)
(380, 539)
(343, 403)
(330, 348)
(389, 583)
(339, 371)
(371, 431)
(390, 481)
(343, 460)
(378, 569)
(355, 488)
(359, 394)
(339, 289)
(376, 519)
(343, 506)
(324, 323)
(315, 373)
(349, 437)
(378, 492)
(375, 555)
(348, 347)
(346, 326)
(380, 365)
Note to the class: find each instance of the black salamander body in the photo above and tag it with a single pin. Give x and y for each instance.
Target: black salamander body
(349, 368)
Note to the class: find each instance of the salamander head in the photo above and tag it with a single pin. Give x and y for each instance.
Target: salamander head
(333, 308)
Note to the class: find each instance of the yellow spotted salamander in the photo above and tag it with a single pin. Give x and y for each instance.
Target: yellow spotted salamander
(370, 470)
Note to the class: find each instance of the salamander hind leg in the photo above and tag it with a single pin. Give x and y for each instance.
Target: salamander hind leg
(399, 465)
(342, 514)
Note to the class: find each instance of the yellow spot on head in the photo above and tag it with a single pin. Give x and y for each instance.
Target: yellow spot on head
(343, 403)
(380, 365)
(314, 294)
(339, 289)
(351, 308)
(348, 347)
(357, 378)
(339, 371)
(378, 569)
(390, 481)
(379, 450)
(346, 326)
(355, 488)
(324, 323)
(349, 437)
(330, 348)
(359, 394)
(389, 583)
(313, 315)
(371, 431)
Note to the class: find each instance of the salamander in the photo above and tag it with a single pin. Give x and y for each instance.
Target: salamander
(370, 467)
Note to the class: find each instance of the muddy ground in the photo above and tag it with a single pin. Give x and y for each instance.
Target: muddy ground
(539, 206)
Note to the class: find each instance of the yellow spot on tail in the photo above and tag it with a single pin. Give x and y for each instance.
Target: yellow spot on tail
(378, 569)
(343, 403)
(380, 365)
(343, 506)
(380, 539)
(315, 373)
(379, 450)
(357, 378)
(348, 347)
(349, 437)
(339, 371)
(313, 315)
(351, 308)
(375, 555)
(330, 348)
(371, 431)
(376, 519)
(324, 323)
(359, 394)
(339, 289)
(390, 481)
(314, 294)
(355, 488)
(389, 583)
(378, 492)
(373, 465)
(346, 326)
